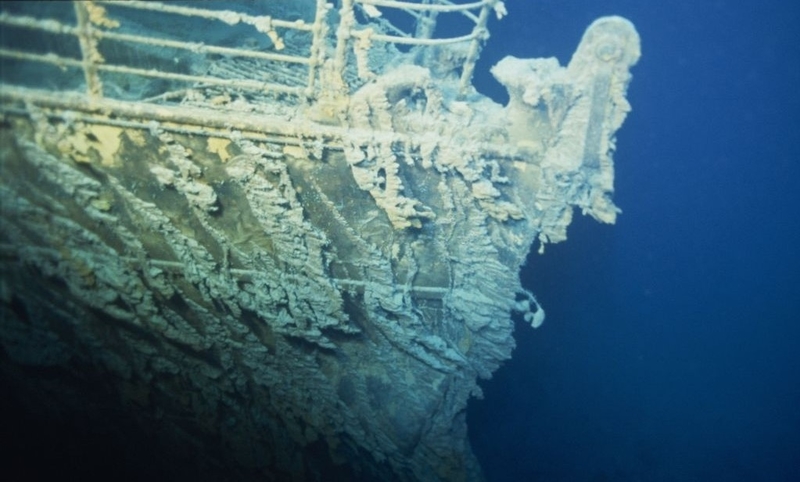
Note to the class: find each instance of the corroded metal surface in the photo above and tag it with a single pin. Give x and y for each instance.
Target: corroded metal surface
(307, 268)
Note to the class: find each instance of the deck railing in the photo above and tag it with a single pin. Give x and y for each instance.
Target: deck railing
(97, 30)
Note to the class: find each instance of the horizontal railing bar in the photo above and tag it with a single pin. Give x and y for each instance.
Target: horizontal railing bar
(47, 25)
(421, 41)
(54, 26)
(144, 124)
(425, 7)
(207, 117)
(50, 58)
(214, 122)
(59, 61)
(241, 83)
(201, 48)
(227, 16)
(466, 13)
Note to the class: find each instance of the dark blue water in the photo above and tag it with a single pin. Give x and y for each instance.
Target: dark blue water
(671, 346)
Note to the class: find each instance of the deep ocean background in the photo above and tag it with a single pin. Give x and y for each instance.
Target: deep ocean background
(670, 349)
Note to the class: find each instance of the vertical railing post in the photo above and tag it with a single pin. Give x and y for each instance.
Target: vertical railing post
(330, 103)
(91, 56)
(317, 56)
(479, 34)
(346, 20)
(426, 22)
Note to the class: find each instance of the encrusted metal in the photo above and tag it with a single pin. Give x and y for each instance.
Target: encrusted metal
(287, 239)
